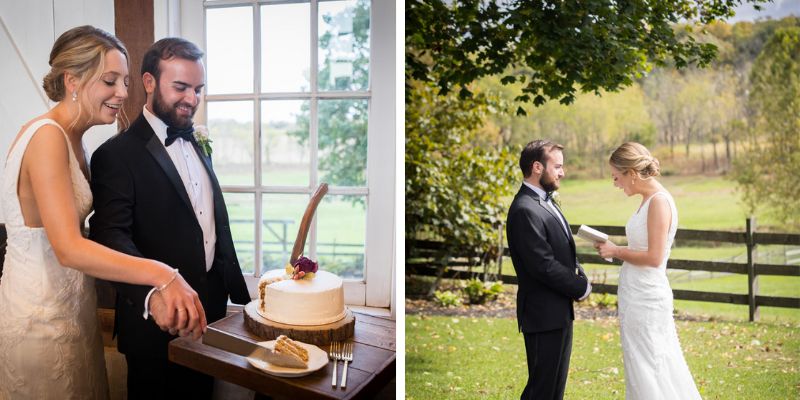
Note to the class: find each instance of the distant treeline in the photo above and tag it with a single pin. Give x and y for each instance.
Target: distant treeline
(697, 120)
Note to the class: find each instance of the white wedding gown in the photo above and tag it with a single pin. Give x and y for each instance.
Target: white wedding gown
(654, 365)
(50, 343)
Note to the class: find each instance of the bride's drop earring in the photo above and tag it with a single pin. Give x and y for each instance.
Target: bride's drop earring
(74, 96)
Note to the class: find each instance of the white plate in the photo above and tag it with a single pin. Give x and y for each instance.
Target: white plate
(317, 359)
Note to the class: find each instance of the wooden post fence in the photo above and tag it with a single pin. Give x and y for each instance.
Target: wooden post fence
(752, 278)
(419, 262)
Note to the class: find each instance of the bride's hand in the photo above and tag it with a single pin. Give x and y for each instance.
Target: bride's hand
(182, 302)
(606, 249)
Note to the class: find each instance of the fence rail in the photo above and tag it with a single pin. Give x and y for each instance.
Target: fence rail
(421, 254)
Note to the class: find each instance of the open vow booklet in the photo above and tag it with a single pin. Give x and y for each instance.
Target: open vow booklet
(592, 235)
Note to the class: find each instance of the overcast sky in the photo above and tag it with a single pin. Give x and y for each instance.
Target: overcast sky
(775, 10)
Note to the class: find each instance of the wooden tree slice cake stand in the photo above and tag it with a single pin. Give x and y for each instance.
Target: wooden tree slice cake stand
(321, 335)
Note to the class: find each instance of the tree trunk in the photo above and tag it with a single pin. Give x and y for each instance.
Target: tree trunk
(688, 140)
(716, 160)
(702, 159)
(445, 260)
(727, 152)
(671, 147)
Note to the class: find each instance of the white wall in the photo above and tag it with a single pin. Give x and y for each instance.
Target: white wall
(28, 30)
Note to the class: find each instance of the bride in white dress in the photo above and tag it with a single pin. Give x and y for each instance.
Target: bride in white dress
(654, 365)
(50, 344)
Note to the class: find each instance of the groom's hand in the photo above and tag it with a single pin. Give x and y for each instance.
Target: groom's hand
(184, 312)
(171, 320)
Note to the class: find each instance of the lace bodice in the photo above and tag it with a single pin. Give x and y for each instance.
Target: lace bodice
(50, 344)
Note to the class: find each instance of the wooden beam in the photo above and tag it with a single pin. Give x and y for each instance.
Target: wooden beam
(134, 25)
(772, 301)
(777, 238)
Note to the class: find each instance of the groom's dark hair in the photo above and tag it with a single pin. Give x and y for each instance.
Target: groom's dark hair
(166, 49)
(537, 150)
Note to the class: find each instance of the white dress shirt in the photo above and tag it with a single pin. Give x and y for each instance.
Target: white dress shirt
(197, 184)
(543, 195)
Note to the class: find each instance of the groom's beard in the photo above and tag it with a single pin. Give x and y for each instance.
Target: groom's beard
(548, 182)
(170, 114)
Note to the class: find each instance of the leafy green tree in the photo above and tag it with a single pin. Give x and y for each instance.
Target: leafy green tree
(768, 173)
(456, 185)
(553, 47)
(749, 38)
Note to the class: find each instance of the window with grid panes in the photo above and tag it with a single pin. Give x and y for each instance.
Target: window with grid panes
(288, 106)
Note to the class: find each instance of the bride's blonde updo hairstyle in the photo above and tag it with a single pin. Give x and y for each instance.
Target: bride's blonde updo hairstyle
(634, 157)
(82, 52)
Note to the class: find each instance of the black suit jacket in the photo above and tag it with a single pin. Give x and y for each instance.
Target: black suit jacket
(544, 259)
(142, 209)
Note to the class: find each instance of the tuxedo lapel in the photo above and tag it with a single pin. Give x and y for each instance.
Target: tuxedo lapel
(565, 221)
(543, 204)
(555, 215)
(547, 208)
(158, 152)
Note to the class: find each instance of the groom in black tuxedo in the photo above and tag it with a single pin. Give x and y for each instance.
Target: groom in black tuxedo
(156, 196)
(550, 278)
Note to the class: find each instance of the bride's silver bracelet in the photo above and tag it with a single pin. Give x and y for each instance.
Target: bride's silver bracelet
(174, 275)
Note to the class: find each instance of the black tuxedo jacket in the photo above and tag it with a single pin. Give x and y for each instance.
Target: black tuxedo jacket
(544, 259)
(141, 208)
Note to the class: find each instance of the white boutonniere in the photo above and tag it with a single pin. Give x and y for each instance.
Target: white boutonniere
(201, 136)
(556, 199)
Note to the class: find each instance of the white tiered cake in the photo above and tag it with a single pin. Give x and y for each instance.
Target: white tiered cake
(316, 301)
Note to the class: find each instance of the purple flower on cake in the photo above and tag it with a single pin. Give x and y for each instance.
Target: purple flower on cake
(306, 264)
(304, 267)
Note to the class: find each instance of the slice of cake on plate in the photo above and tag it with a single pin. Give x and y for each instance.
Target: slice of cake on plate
(285, 352)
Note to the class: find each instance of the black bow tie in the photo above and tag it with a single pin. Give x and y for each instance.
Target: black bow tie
(175, 133)
(549, 196)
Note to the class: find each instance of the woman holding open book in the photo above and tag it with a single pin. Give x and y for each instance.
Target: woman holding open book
(654, 363)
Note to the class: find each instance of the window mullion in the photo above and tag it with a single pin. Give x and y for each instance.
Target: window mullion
(314, 123)
(257, 262)
(257, 139)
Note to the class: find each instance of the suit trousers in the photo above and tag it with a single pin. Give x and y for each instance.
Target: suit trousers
(548, 363)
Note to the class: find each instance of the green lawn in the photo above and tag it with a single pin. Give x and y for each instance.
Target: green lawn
(484, 358)
(702, 202)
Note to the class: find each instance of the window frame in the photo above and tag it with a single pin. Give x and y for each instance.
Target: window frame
(376, 288)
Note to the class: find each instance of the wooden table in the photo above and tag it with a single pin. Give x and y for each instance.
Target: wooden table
(373, 365)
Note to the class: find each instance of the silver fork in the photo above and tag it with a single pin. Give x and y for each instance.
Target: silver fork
(335, 354)
(346, 355)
